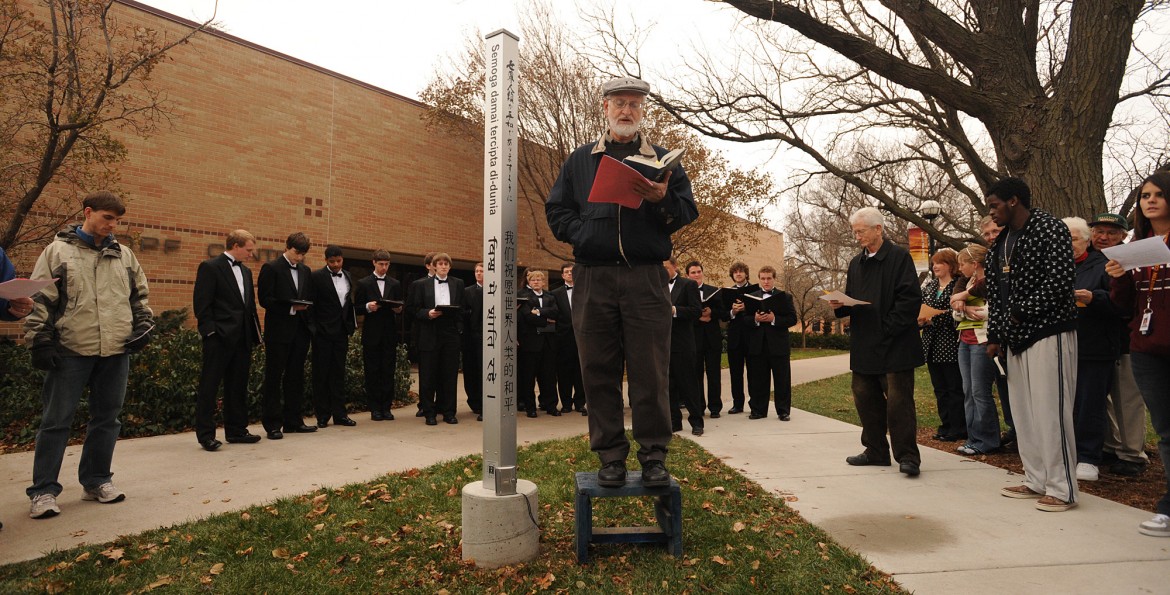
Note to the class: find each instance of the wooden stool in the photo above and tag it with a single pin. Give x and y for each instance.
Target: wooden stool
(668, 511)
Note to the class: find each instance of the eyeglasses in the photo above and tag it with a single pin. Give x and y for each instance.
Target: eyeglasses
(622, 104)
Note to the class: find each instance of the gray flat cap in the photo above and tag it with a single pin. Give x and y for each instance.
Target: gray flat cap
(625, 84)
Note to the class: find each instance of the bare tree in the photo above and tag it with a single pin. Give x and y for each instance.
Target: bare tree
(560, 109)
(73, 77)
(961, 91)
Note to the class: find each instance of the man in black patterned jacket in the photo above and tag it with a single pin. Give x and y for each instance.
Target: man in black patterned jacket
(1030, 275)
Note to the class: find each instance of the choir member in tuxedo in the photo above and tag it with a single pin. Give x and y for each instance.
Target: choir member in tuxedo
(439, 342)
(768, 347)
(414, 328)
(473, 344)
(379, 334)
(736, 332)
(333, 320)
(569, 385)
(225, 307)
(685, 309)
(708, 340)
(284, 290)
(537, 349)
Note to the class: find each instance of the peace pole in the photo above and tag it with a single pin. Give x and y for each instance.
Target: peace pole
(500, 512)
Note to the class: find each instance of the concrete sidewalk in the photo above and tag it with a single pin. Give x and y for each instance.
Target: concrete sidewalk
(948, 530)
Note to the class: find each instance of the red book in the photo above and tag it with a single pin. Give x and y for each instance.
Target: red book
(616, 182)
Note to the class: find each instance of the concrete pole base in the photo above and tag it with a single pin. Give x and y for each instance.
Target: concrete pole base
(499, 530)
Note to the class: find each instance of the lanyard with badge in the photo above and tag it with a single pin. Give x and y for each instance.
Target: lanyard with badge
(1148, 314)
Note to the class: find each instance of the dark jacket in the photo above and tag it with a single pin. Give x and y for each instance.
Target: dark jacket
(883, 335)
(1039, 301)
(774, 336)
(564, 311)
(939, 338)
(1132, 292)
(473, 302)
(687, 309)
(707, 334)
(219, 308)
(447, 328)
(606, 234)
(381, 326)
(1097, 337)
(329, 316)
(530, 327)
(275, 291)
(736, 331)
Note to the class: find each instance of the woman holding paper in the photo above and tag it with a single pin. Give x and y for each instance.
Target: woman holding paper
(969, 304)
(15, 308)
(1144, 293)
(940, 345)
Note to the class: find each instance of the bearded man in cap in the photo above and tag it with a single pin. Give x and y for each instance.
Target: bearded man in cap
(621, 315)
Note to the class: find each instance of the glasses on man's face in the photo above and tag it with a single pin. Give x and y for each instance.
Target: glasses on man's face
(622, 104)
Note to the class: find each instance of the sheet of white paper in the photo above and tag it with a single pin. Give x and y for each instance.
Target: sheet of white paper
(844, 299)
(1142, 253)
(18, 288)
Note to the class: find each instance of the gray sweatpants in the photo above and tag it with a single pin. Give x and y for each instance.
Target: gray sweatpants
(1127, 415)
(1042, 381)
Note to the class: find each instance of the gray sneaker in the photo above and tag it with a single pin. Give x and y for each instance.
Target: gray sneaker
(105, 493)
(44, 506)
(1159, 526)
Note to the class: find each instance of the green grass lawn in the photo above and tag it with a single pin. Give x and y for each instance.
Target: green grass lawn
(400, 534)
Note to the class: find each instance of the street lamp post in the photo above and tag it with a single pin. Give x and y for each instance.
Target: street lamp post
(930, 209)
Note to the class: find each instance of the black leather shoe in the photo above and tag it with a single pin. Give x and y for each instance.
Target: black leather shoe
(554, 412)
(420, 413)
(531, 413)
(735, 410)
(388, 416)
(566, 409)
(275, 435)
(450, 420)
(244, 439)
(755, 416)
(715, 415)
(303, 429)
(431, 421)
(479, 417)
(612, 475)
(345, 421)
(785, 417)
(583, 411)
(322, 423)
(697, 431)
(655, 475)
(676, 428)
(377, 416)
(864, 459)
(210, 445)
(910, 469)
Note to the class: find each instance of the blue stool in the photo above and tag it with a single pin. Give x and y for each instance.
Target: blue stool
(668, 511)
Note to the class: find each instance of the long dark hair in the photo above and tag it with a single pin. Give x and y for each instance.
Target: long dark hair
(1141, 225)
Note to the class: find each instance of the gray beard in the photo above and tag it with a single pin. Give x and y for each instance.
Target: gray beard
(623, 130)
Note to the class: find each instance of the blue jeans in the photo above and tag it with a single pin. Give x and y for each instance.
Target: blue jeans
(106, 378)
(1152, 374)
(978, 404)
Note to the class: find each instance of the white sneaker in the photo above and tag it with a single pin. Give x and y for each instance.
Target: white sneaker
(1087, 472)
(1159, 526)
(44, 506)
(105, 493)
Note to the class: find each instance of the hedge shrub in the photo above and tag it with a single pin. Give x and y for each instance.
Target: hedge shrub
(160, 393)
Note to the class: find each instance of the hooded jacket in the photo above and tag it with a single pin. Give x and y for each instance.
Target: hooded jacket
(98, 303)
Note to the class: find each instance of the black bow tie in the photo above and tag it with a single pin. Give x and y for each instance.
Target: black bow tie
(237, 263)
(569, 287)
(379, 278)
(292, 266)
(441, 280)
(769, 292)
(335, 274)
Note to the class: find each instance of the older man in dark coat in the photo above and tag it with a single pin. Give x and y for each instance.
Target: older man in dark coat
(883, 348)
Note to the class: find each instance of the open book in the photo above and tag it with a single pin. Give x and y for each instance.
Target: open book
(708, 297)
(391, 303)
(655, 168)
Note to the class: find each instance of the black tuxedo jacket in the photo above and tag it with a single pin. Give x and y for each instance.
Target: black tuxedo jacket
(219, 308)
(736, 329)
(564, 310)
(529, 325)
(776, 334)
(380, 326)
(420, 300)
(685, 299)
(710, 330)
(473, 302)
(276, 292)
(331, 317)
